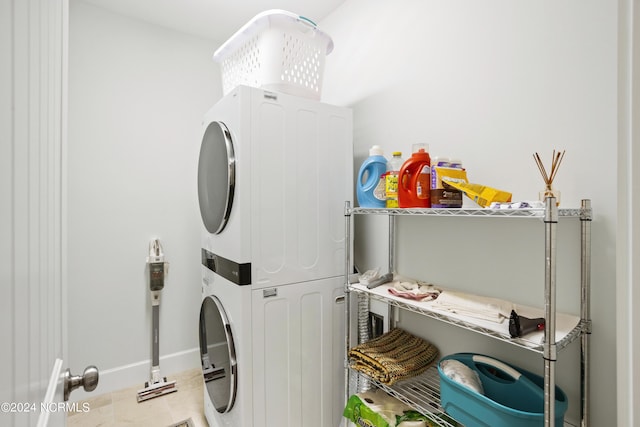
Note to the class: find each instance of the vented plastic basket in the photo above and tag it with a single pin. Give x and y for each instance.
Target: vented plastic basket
(277, 50)
(512, 397)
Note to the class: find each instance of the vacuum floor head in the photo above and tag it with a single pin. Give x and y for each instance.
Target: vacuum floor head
(156, 390)
(212, 373)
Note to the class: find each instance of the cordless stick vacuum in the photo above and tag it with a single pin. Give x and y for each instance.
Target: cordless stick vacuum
(157, 385)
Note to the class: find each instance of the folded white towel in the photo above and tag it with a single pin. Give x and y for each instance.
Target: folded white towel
(492, 309)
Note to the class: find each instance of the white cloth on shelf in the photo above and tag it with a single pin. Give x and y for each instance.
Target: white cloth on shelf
(418, 291)
(479, 307)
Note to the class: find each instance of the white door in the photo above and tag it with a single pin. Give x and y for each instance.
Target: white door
(33, 51)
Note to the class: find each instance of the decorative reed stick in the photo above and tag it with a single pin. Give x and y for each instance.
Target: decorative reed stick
(549, 177)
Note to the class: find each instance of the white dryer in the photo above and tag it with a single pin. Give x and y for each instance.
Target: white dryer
(274, 173)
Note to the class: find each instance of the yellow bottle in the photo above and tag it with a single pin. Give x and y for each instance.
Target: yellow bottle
(391, 179)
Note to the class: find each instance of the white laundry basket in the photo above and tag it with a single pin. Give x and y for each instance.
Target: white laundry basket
(277, 50)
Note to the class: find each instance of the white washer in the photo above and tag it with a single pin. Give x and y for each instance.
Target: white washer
(274, 173)
(272, 357)
(225, 350)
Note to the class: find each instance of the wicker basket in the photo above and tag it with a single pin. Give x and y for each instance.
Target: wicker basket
(277, 50)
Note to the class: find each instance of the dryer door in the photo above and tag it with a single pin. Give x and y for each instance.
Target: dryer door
(216, 177)
(218, 354)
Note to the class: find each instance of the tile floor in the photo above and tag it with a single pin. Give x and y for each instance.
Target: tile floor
(121, 408)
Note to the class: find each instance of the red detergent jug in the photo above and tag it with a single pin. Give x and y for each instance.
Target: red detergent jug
(414, 179)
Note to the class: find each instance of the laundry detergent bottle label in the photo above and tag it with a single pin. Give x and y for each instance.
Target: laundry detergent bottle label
(422, 185)
(379, 192)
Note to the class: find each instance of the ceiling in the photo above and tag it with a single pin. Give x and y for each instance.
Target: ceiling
(213, 19)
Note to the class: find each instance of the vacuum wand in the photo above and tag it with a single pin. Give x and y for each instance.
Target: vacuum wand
(158, 268)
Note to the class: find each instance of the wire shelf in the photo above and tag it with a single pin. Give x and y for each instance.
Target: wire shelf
(422, 393)
(584, 213)
(416, 307)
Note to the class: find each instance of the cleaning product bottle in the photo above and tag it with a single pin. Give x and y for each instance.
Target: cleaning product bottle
(414, 179)
(436, 187)
(370, 184)
(391, 181)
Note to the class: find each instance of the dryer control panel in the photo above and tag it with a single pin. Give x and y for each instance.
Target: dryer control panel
(240, 274)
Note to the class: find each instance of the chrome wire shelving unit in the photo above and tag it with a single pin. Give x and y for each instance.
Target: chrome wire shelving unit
(423, 392)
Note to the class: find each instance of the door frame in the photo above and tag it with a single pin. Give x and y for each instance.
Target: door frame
(628, 229)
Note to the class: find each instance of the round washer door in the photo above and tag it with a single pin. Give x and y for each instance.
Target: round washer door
(218, 355)
(216, 177)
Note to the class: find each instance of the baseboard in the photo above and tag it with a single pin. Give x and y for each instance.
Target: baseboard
(135, 374)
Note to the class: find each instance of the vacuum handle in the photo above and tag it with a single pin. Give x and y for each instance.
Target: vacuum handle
(158, 267)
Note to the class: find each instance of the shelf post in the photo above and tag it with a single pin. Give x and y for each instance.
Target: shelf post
(392, 246)
(391, 311)
(347, 296)
(550, 356)
(585, 307)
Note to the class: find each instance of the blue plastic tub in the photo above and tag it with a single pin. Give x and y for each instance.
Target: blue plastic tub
(512, 396)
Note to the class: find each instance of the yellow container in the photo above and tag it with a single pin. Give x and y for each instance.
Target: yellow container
(481, 194)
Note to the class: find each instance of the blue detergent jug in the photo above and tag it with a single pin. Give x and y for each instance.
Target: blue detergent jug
(370, 185)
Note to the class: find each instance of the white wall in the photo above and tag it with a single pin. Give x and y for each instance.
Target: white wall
(493, 82)
(137, 94)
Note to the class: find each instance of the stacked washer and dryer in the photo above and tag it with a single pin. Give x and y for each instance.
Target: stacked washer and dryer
(274, 173)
